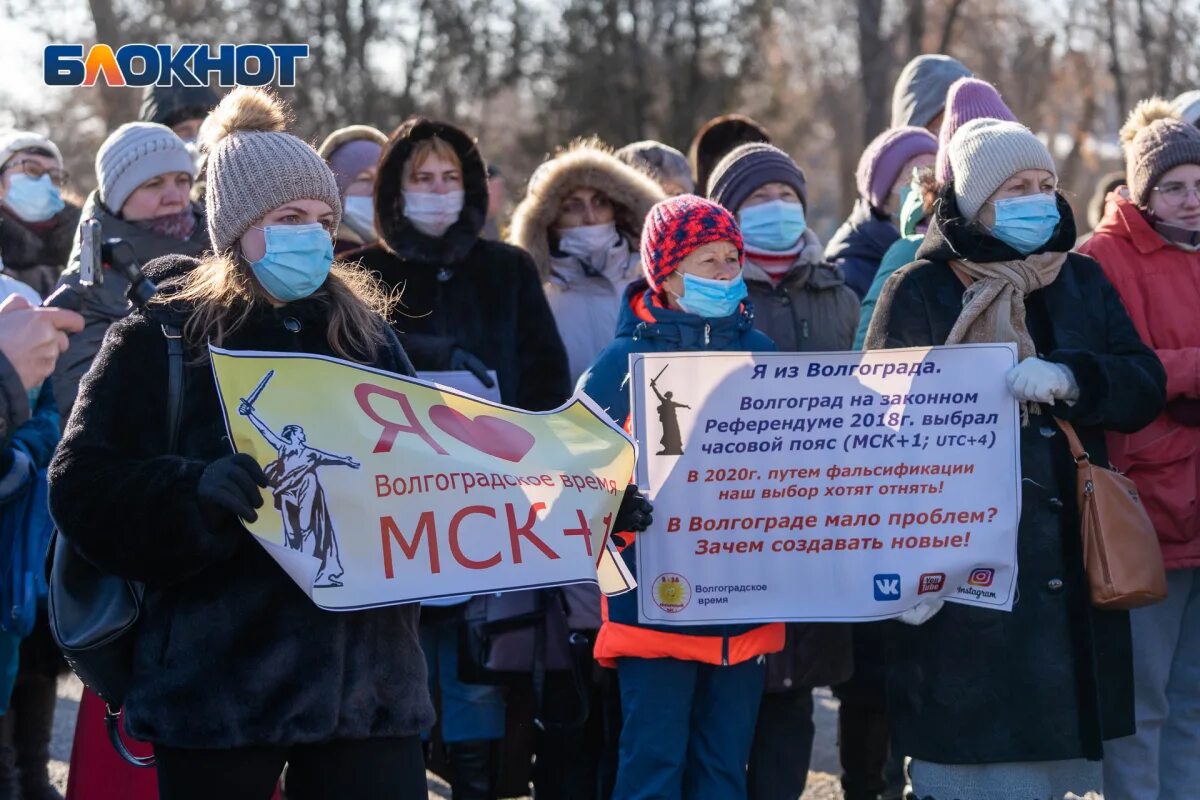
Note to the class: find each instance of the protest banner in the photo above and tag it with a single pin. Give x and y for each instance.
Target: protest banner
(826, 487)
(388, 490)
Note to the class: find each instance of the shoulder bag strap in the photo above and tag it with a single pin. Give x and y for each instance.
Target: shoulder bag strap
(174, 338)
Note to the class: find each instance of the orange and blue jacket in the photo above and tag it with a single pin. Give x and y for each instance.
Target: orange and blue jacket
(646, 326)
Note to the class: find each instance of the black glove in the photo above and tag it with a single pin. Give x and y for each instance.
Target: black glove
(230, 484)
(636, 513)
(461, 359)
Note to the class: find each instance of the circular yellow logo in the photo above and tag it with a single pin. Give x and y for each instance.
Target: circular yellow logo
(671, 592)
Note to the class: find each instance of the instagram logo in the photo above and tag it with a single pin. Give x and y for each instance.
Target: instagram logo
(981, 577)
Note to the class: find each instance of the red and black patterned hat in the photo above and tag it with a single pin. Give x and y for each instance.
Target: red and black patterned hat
(679, 225)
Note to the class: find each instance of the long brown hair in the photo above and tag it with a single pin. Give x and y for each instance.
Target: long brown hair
(222, 294)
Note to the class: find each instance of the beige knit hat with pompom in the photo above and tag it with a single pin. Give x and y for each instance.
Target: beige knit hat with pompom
(255, 166)
(1156, 141)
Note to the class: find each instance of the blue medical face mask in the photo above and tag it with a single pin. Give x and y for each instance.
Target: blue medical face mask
(710, 298)
(33, 200)
(297, 260)
(775, 226)
(1026, 223)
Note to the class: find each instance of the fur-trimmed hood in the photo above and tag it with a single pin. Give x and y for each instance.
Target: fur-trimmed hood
(587, 163)
(398, 234)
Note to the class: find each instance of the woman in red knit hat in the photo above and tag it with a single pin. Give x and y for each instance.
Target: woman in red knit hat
(689, 696)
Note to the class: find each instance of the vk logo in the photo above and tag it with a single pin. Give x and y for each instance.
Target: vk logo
(887, 587)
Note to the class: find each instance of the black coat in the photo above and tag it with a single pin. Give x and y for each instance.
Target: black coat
(229, 652)
(37, 255)
(461, 291)
(1054, 678)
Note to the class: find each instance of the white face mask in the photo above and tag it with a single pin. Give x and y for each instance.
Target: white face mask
(193, 148)
(359, 213)
(589, 242)
(432, 214)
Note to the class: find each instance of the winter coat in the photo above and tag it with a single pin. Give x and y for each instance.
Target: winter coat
(1160, 286)
(586, 302)
(105, 304)
(901, 252)
(229, 653)
(586, 299)
(36, 253)
(811, 310)
(859, 244)
(1054, 677)
(461, 291)
(647, 327)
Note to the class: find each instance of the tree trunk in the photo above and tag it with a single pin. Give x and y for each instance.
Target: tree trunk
(118, 104)
(874, 56)
(1114, 59)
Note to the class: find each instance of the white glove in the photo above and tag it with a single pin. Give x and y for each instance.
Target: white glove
(922, 612)
(1038, 381)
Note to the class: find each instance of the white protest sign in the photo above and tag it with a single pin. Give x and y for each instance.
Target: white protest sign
(825, 487)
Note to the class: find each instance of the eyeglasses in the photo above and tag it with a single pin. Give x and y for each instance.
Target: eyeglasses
(35, 170)
(1176, 193)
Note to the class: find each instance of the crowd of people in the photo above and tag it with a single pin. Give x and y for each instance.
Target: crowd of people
(392, 250)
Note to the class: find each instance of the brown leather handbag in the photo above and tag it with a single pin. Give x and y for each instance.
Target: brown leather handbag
(1120, 548)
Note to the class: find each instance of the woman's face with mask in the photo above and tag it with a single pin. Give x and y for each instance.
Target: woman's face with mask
(1022, 184)
(297, 212)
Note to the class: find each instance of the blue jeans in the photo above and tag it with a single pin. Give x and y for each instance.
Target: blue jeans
(468, 711)
(1162, 760)
(687, 729)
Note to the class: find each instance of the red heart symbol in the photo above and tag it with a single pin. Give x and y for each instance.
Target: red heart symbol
(490, 435)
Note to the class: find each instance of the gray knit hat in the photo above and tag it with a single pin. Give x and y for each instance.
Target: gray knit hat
(133, 154)
(748, 167)
(920, 92)
(1156, 141)
(985, 153)
(663, 162)
(254, 166)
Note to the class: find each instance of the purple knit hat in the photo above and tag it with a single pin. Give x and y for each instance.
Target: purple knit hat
(885, 156)
(968, 99)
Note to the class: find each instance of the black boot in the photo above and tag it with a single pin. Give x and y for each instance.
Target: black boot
(33, 704)
(9, 790)
(472, 767)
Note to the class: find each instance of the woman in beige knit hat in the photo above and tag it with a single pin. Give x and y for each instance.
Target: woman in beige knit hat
(236, 673)
(1149, 246)
(992, 705)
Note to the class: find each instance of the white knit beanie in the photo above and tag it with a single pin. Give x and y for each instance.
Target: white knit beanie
(1187, 106)
(133, 154)
(255, 166)
(13, 142)
(985, 153)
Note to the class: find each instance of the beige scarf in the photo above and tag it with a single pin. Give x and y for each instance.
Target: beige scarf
(993, 305)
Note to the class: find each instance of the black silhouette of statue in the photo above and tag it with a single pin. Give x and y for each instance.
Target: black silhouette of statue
(299, 496)
(668, 415)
